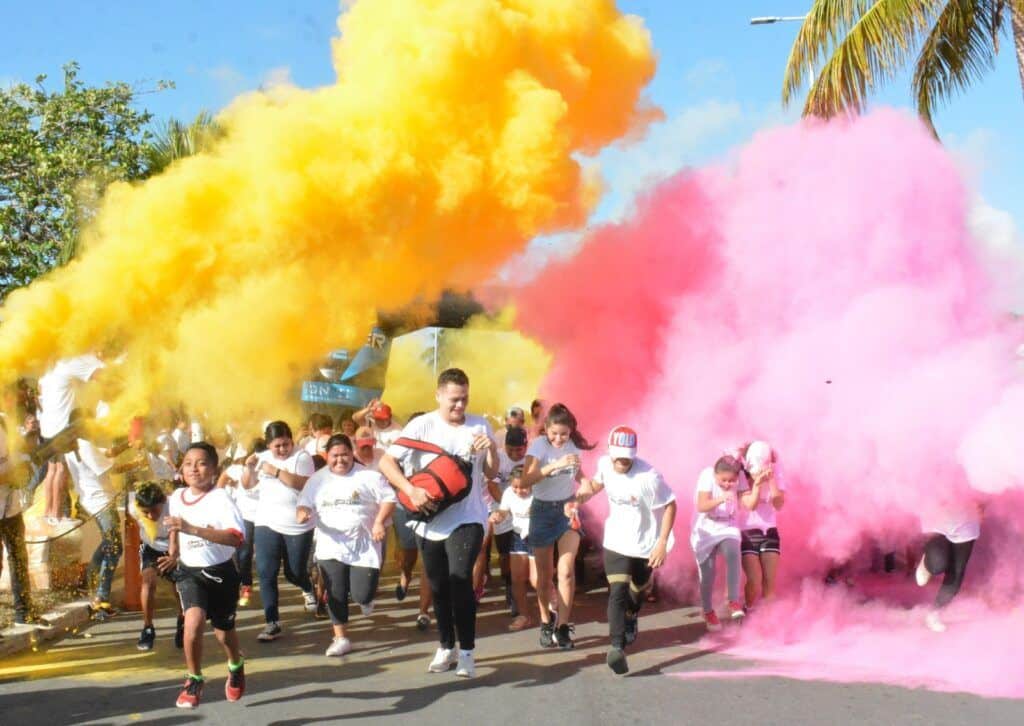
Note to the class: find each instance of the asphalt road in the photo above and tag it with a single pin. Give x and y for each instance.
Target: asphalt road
(97, 676)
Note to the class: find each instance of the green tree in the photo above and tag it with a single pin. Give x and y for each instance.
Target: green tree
(864, 43)
(176, 140)
(59, 150)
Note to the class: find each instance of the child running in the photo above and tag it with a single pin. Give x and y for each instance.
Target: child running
(760, 545)
(514, 510)
(716, 531)
(207, 579)
(637, 536)
(350, 504)
(952, 527)
(148, 506)
(551, 470)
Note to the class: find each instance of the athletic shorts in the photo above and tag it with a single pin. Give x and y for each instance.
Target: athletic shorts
(148, 558)
(405, 536)
(214, 589)
(519, 546)
(756, 542)
(503, 542)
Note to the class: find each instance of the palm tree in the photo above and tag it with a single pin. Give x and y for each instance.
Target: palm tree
(865, 42)
(176, 140)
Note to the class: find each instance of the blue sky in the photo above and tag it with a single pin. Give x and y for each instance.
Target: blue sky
(718, 79)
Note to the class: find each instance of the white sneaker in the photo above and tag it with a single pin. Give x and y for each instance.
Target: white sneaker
(338, 647)
(466, 667)
(934, 622)
(921, 574)
(309, 602)
(367, 608)
(444, 659)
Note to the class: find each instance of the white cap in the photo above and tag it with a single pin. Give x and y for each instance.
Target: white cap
(759, 456)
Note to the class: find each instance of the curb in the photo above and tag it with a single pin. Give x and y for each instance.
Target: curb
(64, 619)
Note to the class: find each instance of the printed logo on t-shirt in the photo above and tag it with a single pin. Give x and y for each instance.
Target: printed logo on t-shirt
(627, 501)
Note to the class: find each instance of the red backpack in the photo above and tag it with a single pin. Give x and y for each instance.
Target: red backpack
(447, 479)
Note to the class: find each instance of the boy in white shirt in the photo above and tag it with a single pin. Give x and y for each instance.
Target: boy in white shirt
(147, 505)
(637, 534)
(204, 528)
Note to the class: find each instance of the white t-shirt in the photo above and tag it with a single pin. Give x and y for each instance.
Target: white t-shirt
(57, 392)
(344, 509)
(520, 509)
(721, 523)
(763, 516)
(182, 440)
(386, 437)
(89, 469)
(146, 525)
(277, 500)
(457, 440)
(10, 501)
(635, 501)
(247, 500)
(506, 467)
(956, 521)
(560, 484)
(168, 448)
(213, 509)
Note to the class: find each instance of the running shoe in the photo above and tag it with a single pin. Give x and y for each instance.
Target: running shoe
(146, 638)
(309, 602)
(367, 608)
(466, 668)
(736, 610)
(444, 659)
(422, 622)
(712, 622)
(338, 647)
(190, 694)
(934, 622)
(547, 635)
(400, 592)
(234, 686)
(244, 595)
(270, 632)
(179, 633)
(564, 636)
(922, 574)
(617, 661)
(632, 628)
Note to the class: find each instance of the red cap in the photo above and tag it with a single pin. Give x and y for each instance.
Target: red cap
(622, 443)
(382, 412)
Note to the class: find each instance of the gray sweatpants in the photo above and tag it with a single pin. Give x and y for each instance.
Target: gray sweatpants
(730, 548)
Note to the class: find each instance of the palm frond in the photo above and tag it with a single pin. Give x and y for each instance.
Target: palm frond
(865, 42)
(960, 48)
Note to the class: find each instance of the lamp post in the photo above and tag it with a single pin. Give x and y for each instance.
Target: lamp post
(772, 19)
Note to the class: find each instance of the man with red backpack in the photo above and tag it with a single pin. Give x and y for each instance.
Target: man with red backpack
(439, 467)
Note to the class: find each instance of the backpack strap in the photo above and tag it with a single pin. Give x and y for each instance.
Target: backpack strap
(420, 446)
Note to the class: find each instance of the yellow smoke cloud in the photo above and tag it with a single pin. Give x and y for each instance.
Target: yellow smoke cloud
(505, 368)
(448, 141)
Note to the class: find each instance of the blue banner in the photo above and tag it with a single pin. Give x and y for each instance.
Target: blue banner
(337, 393)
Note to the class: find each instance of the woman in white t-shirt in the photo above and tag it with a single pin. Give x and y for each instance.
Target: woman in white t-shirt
(720, 492)
(350, 505)
(551, 471)
(204, 527)
(280, 472)
(760, 544)
(953, 525)
(637, 534)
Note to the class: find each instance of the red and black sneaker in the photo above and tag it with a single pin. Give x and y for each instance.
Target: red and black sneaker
(736, 610)
(190, 694)
(234, 686)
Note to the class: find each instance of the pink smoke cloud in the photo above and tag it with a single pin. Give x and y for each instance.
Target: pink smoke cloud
(821, 291)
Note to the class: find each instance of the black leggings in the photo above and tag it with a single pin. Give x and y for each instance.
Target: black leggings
(942, 556)
(448, 565)
(340, 580)
(628, 578)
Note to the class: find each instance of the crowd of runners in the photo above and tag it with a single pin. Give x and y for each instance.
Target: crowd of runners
(217, 515)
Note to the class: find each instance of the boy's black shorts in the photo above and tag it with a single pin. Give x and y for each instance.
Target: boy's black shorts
(148, 557)
(213, 588)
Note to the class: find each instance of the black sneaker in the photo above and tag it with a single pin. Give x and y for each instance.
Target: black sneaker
(179, 633)
(632, 627)
(146, 638)
(400, 592)
(547, 635)
(564, 635)
(422, 622)
(617, 661)
(269, 632)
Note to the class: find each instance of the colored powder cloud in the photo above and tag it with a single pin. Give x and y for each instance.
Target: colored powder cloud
(449, 140)
(821, 290)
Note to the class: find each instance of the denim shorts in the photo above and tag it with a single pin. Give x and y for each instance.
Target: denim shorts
(519, 546)
(547, 522)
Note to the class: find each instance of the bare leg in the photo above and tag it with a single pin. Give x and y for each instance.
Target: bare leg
(520, 566)
(229, 642)
(568, 544)
(770, 567)
(195, 624)
(148, 594)
(406, 563)
(426, 597)
(543, 568)
(752, 572)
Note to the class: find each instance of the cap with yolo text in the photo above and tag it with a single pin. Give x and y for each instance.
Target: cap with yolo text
(622, 443)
